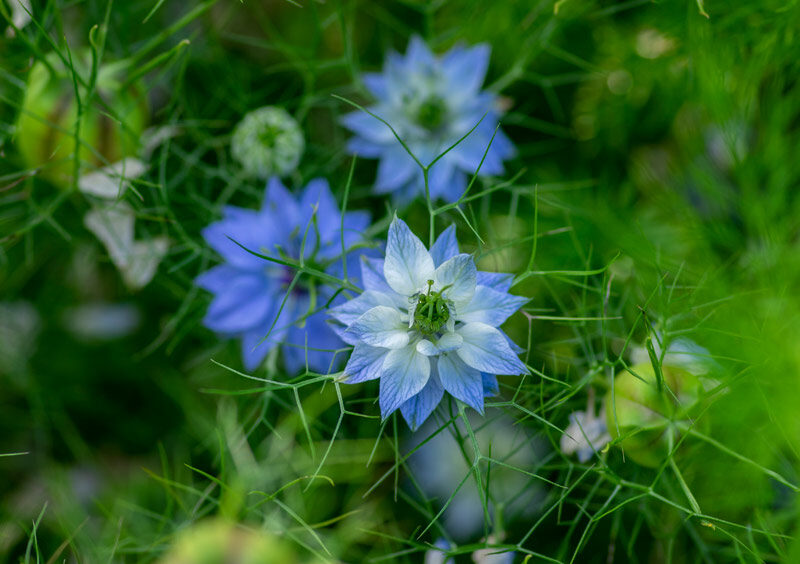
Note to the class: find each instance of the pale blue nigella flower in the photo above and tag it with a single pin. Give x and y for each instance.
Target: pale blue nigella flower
(431, 102)
(249, 290)
(428, 322)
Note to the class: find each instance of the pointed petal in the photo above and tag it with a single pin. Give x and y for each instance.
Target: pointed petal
(460, 274)
(499, 281)
(490, 307)
(351, 310)
(381, 326)
(417, 409)
(461, 381)
(405, 373)
(445, 247)
(365, 364)
(465, 68)
(486, 349)
(408, 265)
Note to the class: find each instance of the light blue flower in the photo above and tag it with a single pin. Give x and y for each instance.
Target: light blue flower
(427, 323)
(249, 291)
(431, 102)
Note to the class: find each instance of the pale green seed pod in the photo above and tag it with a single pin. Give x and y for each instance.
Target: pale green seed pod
(45, 131)
(267, 142)
(644, 415)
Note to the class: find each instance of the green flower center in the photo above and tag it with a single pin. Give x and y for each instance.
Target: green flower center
(431, 312)
(268, 134)
(431, 113)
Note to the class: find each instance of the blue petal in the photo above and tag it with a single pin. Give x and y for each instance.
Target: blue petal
(499, 281)
(368, 127)
(381, 326)
(218, 278)
(465, 68)
(348, 312)
(372, 274)
(365, 148)
(408, 265)
(490, 307)
(280, 204)
(485, 348)
(490, 385)
(417, 409)
(439, 178)
(395, 168)
(376, 84)
(418, 54)
(461, 381)
(228, 237)
(405, 373)
(445, 247)
(317, 197)
(366, 363)
(243, 304)
(314, 342)
(253, 350)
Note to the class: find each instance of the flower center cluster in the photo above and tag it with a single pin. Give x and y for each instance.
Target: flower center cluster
(431, 113)
(431, 312)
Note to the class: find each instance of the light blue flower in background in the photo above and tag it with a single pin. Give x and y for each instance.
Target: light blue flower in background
(249, 290)
(431, 102)
(427, 323)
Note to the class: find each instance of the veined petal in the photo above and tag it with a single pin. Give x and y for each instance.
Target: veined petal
(500, 281)
(381, 326)
(445, 247)
(449, 341)
(351, 310)
(490, 307)
(485, 348)
(417, 409)
(427, 348)
(460, 276)
(365, 364)
(405, 373)
(461, 381)
(408, 265)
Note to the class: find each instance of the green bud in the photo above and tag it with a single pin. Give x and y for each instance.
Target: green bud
(45, 131)
(431, 313)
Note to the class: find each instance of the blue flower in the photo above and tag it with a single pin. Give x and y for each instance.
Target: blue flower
(431, 102)
(428, 322)
(249, 291)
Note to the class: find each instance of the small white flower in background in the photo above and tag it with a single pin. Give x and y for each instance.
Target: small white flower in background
(112, 181)
(20, 15)
(585, 434)
(267, 142)
(112, 221)
(137, 261)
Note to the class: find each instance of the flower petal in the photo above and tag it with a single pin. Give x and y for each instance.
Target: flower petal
(490, 307)
(461, 381)
(465, 68)
(405, 373)
(459, 275)
(427, 348)
(381, 326)
(417, 409)
(349, 312)
(449, 341)
(365, 364)
(245, 303)
(445, 247)
(500, 281)
(408, 265)
(486, 349)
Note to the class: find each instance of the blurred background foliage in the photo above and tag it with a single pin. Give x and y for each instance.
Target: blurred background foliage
(655, 194)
